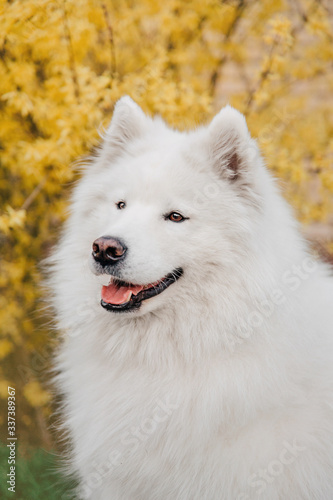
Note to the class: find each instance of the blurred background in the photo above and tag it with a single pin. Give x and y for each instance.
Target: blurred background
(63, 65)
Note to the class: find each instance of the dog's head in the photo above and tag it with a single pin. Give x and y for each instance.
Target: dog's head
(160, 213)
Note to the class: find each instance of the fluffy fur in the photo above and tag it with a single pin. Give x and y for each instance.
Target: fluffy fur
(219, 388)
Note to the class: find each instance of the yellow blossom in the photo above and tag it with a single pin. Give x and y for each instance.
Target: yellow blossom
(35, 395)
(6, 347)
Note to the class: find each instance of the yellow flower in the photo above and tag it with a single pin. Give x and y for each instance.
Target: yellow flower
(12, 219)
(6, 347)
(35, 394)
(280, 32)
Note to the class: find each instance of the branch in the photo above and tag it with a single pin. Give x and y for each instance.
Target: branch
(306, 15)
(71, 54)
(263, 77)
(111, 39)
(34, 193)
(217, 72)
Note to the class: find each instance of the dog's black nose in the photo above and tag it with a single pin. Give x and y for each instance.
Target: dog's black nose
(108, 250)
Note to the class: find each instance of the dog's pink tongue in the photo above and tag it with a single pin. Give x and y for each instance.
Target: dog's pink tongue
(113, 294)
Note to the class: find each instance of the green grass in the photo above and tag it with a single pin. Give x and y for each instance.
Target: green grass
(37, 477)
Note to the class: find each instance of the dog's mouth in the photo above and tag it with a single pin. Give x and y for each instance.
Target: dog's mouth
(121, 296)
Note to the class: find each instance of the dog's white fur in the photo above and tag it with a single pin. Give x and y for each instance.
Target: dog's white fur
(219, 388)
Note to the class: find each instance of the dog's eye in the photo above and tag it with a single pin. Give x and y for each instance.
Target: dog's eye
(120, 205)
(176, 217)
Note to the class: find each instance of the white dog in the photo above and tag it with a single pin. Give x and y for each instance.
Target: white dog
(197, 357)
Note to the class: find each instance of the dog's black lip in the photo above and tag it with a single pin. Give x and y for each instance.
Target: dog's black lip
(136, 300)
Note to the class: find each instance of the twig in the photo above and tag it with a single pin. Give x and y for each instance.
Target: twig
(71, 54)
(217, 72)
(34, 193)
(263, 77)
(111, 39)
(306, 15)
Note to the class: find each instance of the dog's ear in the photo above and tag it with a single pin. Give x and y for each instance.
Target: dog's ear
(128, 123)
(235, 156)
(230, 144)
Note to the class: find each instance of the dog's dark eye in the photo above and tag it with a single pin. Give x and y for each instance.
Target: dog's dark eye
(120, 205)
(176, 217)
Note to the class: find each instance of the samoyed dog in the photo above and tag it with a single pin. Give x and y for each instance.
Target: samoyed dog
(196, 361)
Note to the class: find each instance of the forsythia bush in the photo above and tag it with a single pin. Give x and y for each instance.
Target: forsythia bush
(63, 65)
